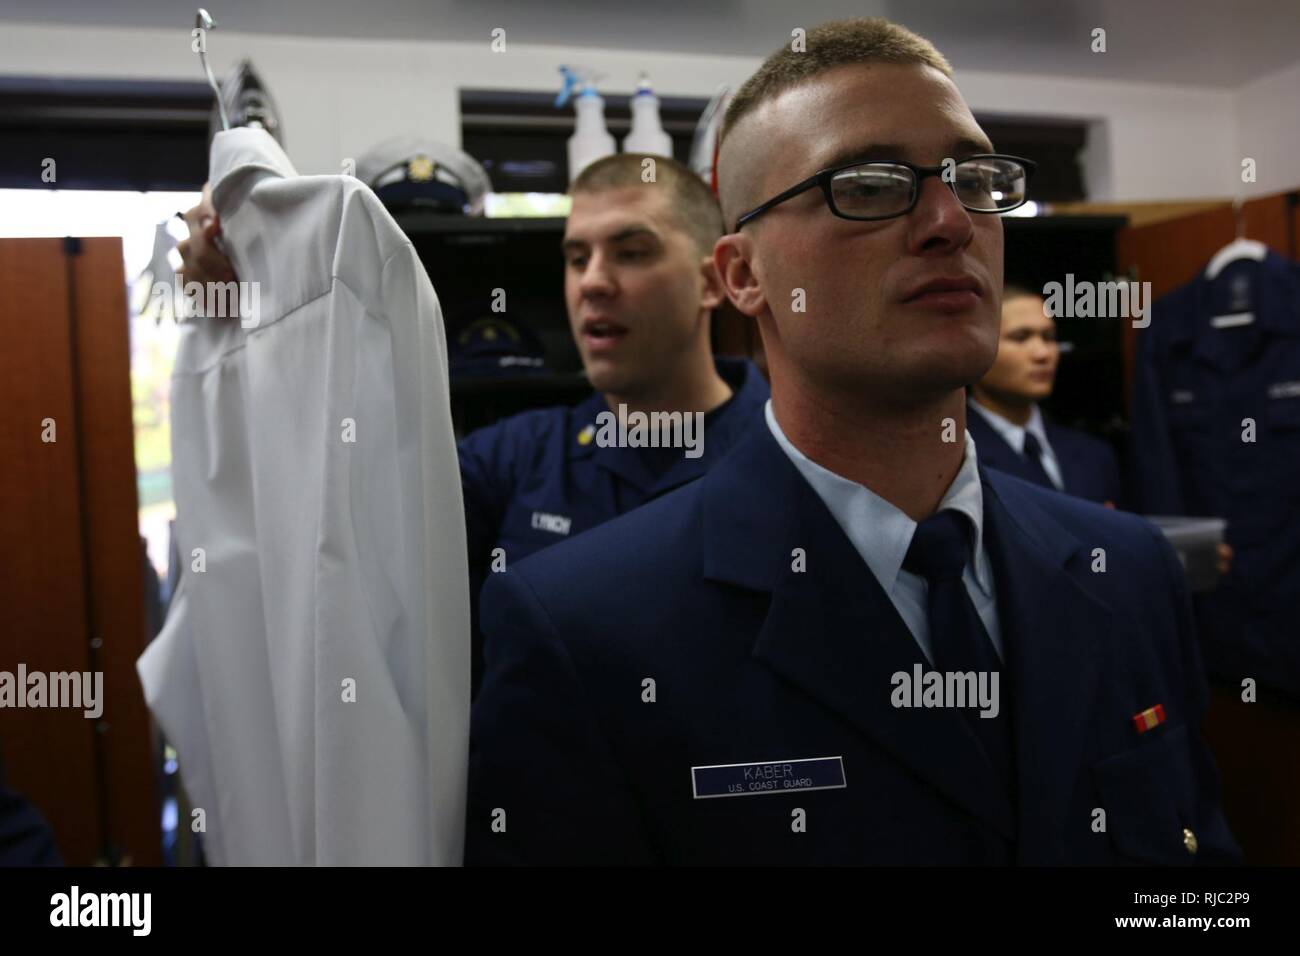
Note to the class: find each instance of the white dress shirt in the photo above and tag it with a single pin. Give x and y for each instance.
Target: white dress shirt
(314, 669)
(882, 534)
(1014, 435)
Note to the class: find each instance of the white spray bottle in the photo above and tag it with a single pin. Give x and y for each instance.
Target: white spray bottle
(590, 140)
(647, 134)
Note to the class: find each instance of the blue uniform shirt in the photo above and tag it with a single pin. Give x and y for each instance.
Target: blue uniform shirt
(882, 534)
(1216, 432)
(538, 478)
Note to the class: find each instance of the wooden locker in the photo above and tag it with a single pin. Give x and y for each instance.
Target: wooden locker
(71, 587)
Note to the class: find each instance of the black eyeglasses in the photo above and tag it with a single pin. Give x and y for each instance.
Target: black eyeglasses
(867, 191)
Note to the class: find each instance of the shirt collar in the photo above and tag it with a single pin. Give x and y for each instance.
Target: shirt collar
(1275, 297)
(723, 425)
(880, 532)
(1014, 434)
(242, 148)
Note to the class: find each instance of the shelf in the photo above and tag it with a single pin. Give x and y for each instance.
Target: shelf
(434, 224)
(1064, 223)
(445, 224)
(496, 385)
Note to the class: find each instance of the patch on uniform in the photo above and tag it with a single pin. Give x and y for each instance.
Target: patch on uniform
(556, 524)
(770, 776)
(586, 435)
(1284, 390)
(1151, 717)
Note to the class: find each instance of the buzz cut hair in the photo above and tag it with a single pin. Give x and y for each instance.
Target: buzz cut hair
(1014, 290)
(691, 203)
(833, 44)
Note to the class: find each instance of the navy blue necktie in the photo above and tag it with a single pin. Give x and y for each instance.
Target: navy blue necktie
(939, 551)
(1033, 455)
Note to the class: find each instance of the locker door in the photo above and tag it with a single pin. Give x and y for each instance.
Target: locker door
(70, 587)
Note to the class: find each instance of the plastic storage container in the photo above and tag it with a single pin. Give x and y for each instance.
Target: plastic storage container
(1196, 542)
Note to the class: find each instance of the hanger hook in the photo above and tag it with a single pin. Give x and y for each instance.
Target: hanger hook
(1238, 218)
(203, 21)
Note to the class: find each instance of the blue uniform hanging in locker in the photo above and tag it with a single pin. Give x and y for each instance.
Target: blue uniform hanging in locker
(1216, 432)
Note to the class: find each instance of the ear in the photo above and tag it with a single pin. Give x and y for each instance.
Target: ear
(713, 294)
(733, 259)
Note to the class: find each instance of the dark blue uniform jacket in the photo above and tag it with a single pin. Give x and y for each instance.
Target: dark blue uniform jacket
(1216, 433)
(1088, 465)
(754, 660)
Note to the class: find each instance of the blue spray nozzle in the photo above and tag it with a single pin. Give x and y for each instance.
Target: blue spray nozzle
(579, 78)
(566, 89)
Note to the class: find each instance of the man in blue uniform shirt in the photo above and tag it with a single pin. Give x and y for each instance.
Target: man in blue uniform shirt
(1009, 428)
(640, 286)
(848, 643)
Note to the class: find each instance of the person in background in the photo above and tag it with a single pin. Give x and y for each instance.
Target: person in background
(639, 286)
(1012, 433)
(1010, 430)
(25, 836)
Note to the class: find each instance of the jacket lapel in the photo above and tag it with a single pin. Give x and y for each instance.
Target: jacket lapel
(1053, 630)
(831, 630)
(992, 449)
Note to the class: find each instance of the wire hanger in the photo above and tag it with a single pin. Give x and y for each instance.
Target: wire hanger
(203, 21)
(1240, 248)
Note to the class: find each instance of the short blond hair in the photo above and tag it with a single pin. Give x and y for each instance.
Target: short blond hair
(833, 44)
(692, 204)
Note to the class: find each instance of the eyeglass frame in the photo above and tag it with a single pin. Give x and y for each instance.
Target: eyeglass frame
(919, 175)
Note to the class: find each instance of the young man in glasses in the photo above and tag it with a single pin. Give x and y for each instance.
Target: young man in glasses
(848, 643)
